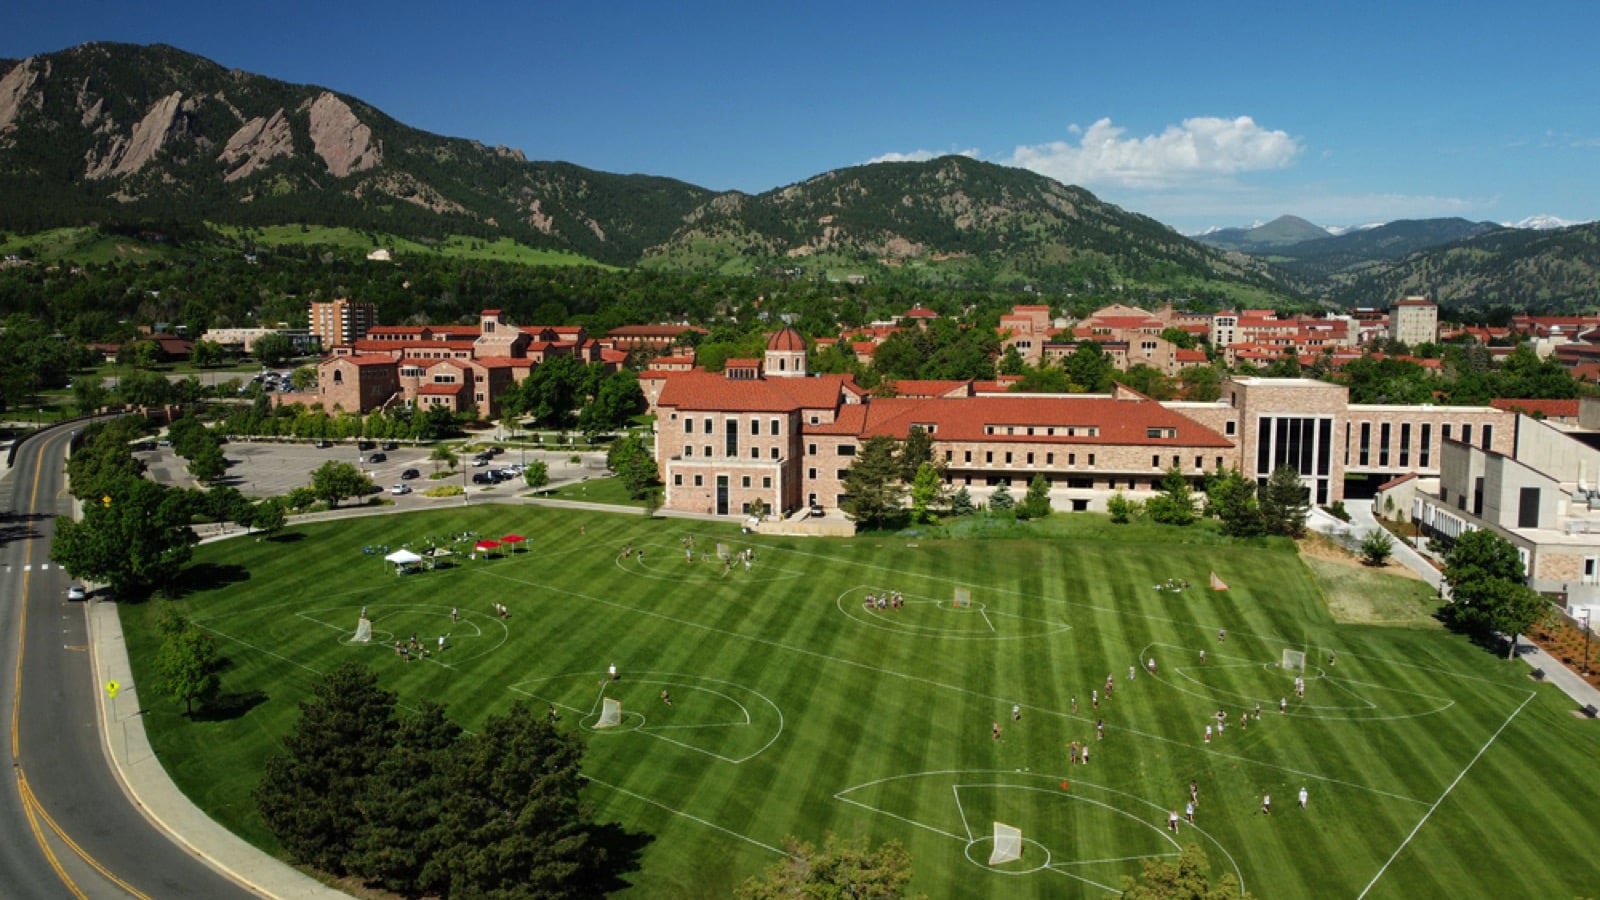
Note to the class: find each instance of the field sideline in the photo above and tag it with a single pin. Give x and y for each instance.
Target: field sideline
(1432, 768)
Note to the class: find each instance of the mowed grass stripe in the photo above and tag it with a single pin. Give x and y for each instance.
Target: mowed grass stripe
(863, 704)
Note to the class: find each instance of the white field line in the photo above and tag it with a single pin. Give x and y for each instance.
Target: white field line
(986, 619)
(1425, 816)
(955, 789)
(678, 812)
(916, 679)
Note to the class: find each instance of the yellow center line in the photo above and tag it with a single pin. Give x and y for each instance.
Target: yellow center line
(30, 802)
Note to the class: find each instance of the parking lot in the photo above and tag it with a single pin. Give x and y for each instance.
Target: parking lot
(270, 469)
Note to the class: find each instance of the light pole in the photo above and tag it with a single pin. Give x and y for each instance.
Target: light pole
(1586, 640)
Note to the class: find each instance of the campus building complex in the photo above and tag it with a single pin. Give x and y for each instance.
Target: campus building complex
(762, 434)
(341, 321)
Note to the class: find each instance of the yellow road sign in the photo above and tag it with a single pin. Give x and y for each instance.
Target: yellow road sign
(111, 689)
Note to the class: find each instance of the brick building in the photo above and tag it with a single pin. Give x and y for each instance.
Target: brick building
(341, 321)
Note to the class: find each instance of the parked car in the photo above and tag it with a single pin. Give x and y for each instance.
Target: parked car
(483, 478)
(378, 458)
(366, 445)
(323, 445)
(399, 489)
(410, 474)
(76, 592)
(480, 461)
(390, 445)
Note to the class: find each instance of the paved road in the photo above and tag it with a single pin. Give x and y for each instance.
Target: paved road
(69, 830)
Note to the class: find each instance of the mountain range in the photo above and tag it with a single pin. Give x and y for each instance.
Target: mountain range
(120, 136)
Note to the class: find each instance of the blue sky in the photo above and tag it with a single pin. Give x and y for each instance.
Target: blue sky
(1198, 114)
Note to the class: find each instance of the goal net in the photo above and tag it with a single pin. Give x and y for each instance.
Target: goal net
(1007, 844)
(1294, 661)
(963, 597)
(610, 713)
(722, 551)
(363, 631)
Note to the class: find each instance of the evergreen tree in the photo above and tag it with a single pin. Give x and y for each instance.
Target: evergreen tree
(311, 795)
(512, 823)
(1175, 504)
(917, 449)
(961, 502)
(1284, 503)
(1036, 504)
(399, 843)
(873, 490)
(1376, 547)
(1001, 500)
(1232, 499)
(1189, 878)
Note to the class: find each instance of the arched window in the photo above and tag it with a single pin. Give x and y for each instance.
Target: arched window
(338, 376)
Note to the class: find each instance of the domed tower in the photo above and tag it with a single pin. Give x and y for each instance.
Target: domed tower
(786, 355)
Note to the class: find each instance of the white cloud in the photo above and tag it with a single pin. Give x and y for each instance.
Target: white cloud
(1198, 150)
(922, 155)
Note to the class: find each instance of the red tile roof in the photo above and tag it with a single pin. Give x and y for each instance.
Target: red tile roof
(373, 359)
(985, 419)
(787, 340)
(1396, 482)
(914, 388)
(1550, 409)
(921, 312)
(705, 391)
(444, 389)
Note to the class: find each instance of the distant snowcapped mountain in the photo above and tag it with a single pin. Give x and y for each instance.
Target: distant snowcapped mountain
(1542, 222)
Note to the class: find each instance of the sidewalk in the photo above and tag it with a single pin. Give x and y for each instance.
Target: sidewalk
(1362, 522)
(147, 783)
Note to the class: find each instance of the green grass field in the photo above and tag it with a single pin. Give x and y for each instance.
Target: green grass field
(1433, 768)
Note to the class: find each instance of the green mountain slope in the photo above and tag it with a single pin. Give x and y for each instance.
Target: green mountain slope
(123, 133)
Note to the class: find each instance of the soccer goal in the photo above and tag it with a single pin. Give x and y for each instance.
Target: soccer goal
(963, 598)
(1294, 661)
(363, 631)
(1007, 844)
(610, 713)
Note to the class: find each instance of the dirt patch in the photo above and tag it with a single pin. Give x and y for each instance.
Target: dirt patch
(1317, 546)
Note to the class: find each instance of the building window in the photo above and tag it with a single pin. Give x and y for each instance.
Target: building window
(1444, 431)
(730, 439)
(774, 452)
(1383, 444)
(1366, 440)
(745, 481)
(966, 455)
(1155, 460)
(949, 455)
(766, 482)
(847, 449)
(707, 449)
(988, 456)
(1405, 444)
(1091, 460)
(1488, 436)
(1425, 447)
(1049, 459)
(811, 473)
(1008, 457)
(841, 473)
(677, 481)
(1072, 459)
(1466, 434)
(755, 452)
(1230, 428)
(688, 450)
(774, 427)
(699, 481)
(815, 420)
(755, 428)
(811, 449)
(1199, 462)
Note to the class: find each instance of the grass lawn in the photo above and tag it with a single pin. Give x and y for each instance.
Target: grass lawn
(597, 490)
(1434, 769)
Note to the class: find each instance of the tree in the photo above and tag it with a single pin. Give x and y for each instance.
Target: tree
(632, 462)
(303, 378)
(273, 349)
(512, 822)
(537, 475)
(1284, 503)
(269, 516)
(1175, 504)
(1012, 363)
(206, 354)
(209, 464)
(1232, 499)
(134, 538)
(1001, 500)
(1487, 593)
(333, 481)
(1122, 509)
(1376, 547)
(1036, 504)
(311, 794)
(89, 393)
(873, 490)
(443, 454)
(961, 502)
(843, 868)
(399, 843)
(1187, 879)
(917, 449)
(187, 663)
(926, 489)
(617, 399)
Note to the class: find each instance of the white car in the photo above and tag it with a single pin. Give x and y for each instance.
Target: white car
(399, 489)
(76, 592)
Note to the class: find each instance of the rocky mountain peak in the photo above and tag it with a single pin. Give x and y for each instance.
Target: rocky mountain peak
(343, 141)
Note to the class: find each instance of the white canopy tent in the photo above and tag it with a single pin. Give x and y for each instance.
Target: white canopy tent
(402, 559)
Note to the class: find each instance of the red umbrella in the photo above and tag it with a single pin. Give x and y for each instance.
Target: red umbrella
(513, 539)
(486, 545)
